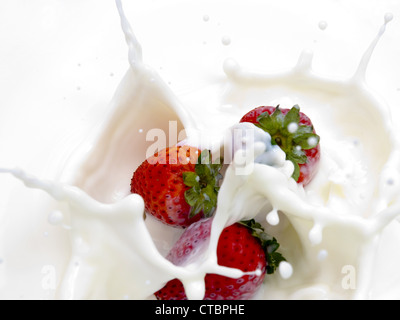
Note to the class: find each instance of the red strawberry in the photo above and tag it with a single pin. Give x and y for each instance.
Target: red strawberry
(242, 245)
(176, 189)
(294, 133)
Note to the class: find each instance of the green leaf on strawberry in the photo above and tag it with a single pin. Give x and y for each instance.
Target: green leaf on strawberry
(269, 244)
(289, 134)
(204, 185)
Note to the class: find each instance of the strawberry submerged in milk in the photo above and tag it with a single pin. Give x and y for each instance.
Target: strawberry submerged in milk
(181, 191)
(294, 133)
(339, 199)
(243, 245)
(177, 188)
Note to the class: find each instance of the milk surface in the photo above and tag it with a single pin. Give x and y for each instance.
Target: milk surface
(84, 231)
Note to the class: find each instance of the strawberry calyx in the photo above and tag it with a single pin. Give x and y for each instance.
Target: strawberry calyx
(269, 244)
(204, 185)
(291, 136)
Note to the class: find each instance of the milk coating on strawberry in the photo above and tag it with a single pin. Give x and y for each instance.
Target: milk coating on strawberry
(242, 245)
(294, 133)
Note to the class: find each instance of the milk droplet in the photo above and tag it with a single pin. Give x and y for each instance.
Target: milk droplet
(226, 40)
(390, 182)
(285, 270)
(322, 255)
(231, 67)
(273, 217)
(322, 25)
(388, 17)
(195, 289)
(206, 18)
(312, 141)
(55, 217)
(258, 272)
(356, 142)
(292, 127)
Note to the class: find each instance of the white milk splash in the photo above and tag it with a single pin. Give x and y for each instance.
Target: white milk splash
(332, 226)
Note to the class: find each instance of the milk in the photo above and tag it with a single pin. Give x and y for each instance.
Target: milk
(354, 194)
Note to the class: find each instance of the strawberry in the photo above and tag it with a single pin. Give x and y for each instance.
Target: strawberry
(242, 245)
(176, 187)
(294, 133)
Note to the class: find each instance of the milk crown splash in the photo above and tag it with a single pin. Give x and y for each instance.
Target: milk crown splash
(134, 47)
(147, 268)
(362, 67)
(111, 239)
